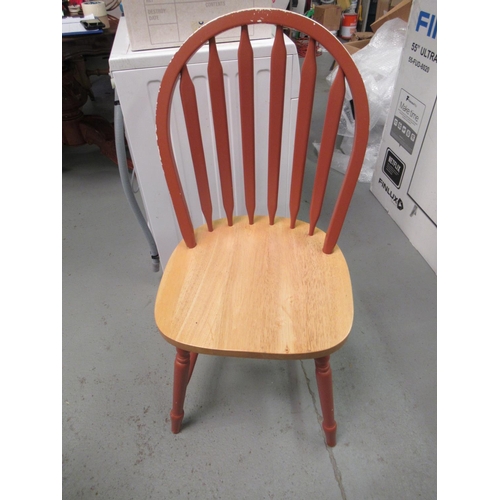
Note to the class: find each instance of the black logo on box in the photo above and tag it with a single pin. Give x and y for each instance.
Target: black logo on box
(397, 201)
(406, 121)
(404, 134)
(394, 168)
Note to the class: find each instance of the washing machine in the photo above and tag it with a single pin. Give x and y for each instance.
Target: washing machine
(136, 76)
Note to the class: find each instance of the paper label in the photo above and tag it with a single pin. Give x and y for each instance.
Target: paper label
(407, 120)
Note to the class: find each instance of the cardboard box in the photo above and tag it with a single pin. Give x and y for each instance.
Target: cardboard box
(404, 178)
(384, 6)
(156, 24)
(401, 10)
(330, 16)
(361, 35)
(355, 45)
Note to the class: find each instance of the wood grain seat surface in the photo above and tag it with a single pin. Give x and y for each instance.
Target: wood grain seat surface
(261, 290)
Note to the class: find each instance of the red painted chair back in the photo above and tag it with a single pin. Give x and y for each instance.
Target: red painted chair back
(177, 74)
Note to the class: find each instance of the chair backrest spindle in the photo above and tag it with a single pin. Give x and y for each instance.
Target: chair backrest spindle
(304, 114)
(219, 113)
(191, 116)
(276, 107)
(247, 113)
(327, 146)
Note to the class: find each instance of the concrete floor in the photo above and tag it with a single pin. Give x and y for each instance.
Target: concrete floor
(252, 428)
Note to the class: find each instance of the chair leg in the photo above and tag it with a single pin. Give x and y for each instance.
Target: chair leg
(181, 379)
(192, 361)
(325, 389)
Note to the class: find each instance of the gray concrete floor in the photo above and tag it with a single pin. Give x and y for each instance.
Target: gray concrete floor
(252, 428)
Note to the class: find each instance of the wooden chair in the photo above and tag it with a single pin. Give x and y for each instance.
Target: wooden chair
(258, 286)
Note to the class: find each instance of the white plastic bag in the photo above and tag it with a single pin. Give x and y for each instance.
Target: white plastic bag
(378, 64)
(342, 154)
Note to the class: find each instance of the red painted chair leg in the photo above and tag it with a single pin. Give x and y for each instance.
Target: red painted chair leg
(192, 361)
(325, 389)
(181, 379)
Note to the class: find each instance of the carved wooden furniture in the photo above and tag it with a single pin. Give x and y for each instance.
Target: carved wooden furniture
(258, 286)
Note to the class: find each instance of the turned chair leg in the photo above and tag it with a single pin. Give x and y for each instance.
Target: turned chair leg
(325, 389)
(192, 361)
(181, 379)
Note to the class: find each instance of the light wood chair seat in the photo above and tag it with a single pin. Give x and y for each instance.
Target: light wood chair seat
(257, 291)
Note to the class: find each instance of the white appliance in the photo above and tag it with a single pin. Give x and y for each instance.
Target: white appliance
(137, 75)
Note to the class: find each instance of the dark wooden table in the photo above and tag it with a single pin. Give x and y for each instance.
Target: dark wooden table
(78, 128)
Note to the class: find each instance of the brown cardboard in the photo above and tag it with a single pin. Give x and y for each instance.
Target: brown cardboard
(402, 10)
(330, 16)
(384, 6)
(361, 35)
(354, 46)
